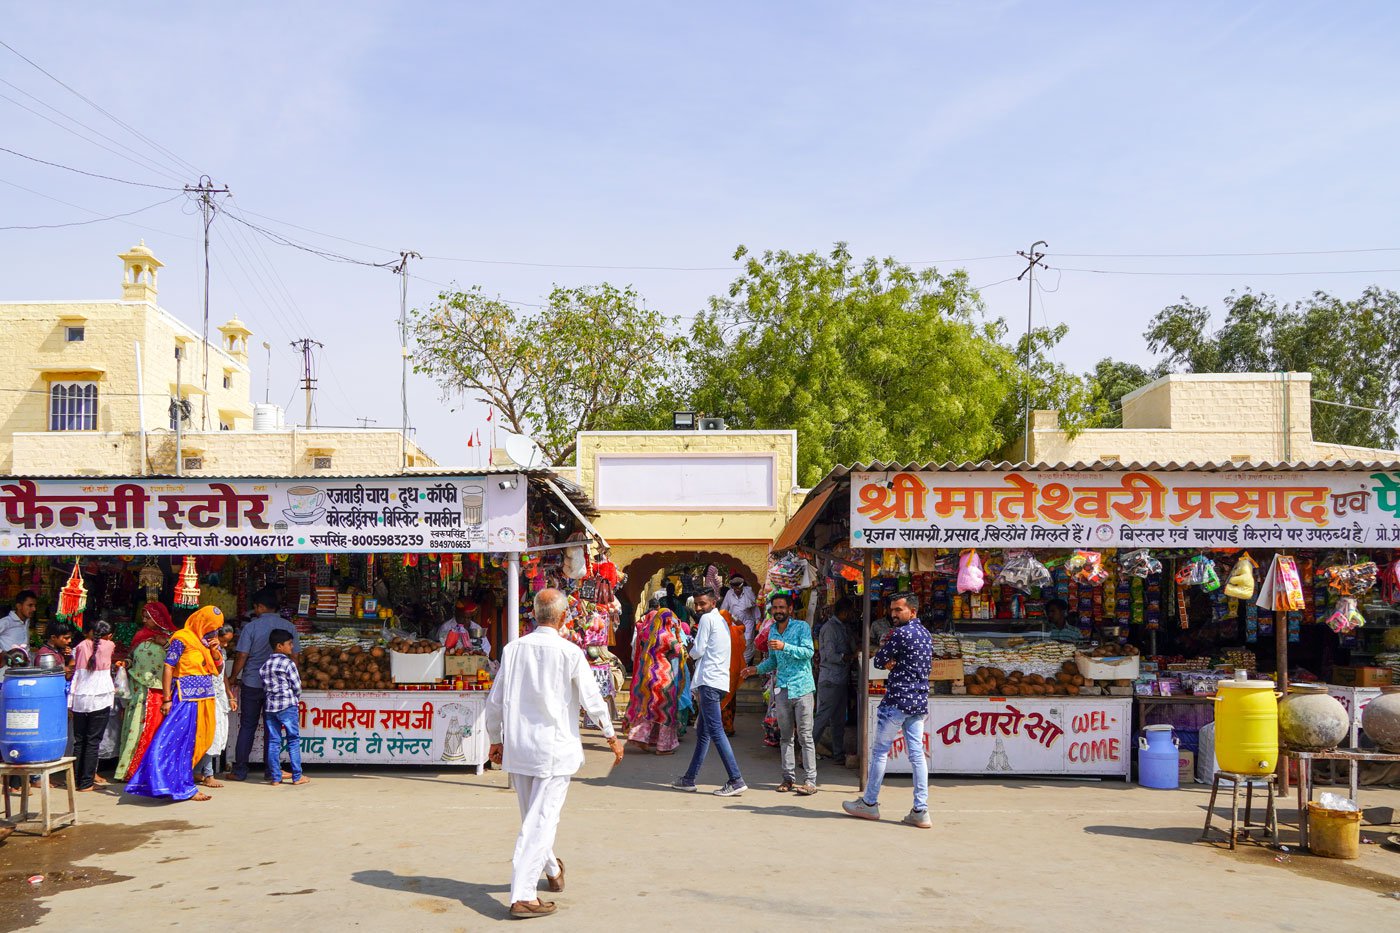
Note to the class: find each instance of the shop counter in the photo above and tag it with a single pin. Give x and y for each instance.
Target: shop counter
(441, 728)
(1009, 736)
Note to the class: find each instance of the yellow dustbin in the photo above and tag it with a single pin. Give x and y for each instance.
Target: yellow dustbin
(1246, 726)
(1334, 833)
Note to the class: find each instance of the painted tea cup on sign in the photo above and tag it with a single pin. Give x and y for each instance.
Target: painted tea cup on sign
(304, 500)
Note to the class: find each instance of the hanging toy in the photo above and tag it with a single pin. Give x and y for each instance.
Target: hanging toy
(72, 599)
(151, 579)
(187, 585)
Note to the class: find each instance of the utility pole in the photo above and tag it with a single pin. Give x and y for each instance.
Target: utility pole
(178, 407)
(1032, 259)
(206, 191)
(308, 381)
(401, 270)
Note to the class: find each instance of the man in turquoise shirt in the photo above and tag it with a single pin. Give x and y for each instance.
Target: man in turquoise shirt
(790, 653)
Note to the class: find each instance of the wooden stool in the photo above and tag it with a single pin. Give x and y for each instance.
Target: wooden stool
(48, 821)
(1270, 826)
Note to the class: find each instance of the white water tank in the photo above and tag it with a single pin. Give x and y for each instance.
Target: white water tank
(268, 417)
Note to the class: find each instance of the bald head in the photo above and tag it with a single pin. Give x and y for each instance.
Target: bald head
(550, 608)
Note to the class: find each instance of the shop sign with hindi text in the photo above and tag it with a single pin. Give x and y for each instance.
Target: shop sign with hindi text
(1125, 509)
(261, 516)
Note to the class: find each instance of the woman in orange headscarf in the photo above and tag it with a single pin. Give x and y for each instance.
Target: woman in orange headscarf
(191, 664)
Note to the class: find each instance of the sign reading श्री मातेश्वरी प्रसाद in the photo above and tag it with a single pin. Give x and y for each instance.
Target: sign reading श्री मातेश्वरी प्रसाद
(1125, 509)
(256, 516)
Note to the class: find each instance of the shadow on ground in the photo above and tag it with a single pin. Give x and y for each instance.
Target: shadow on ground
(476, 897)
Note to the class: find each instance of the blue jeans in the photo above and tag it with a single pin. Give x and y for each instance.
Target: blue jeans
(279, 724)
(889, 723)
(710, 728)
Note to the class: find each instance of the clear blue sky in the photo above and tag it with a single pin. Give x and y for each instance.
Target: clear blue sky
(636, 134)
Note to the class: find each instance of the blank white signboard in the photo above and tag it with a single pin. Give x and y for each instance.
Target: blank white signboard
(680, 481)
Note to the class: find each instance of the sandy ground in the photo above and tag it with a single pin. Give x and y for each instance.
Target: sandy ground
(407, 849)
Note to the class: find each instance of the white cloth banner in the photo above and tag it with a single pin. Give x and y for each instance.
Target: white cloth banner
(1087, 736)
(400, 727)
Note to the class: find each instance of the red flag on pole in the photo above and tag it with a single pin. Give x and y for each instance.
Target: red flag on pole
(491, 413)
(470, 442)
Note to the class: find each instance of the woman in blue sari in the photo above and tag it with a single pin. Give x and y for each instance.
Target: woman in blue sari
(191, 664)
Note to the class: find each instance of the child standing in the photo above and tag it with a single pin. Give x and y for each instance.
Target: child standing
(91, 699)
(57, 644)
(282, 682)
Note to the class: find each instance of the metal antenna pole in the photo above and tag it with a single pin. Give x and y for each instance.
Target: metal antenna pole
(179, 407)
(1033, 259)
(267, 377)
(206, 191)
(401, 270)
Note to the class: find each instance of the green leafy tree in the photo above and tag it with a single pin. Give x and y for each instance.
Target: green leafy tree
(1351, 347)
(1107, 384)
(868, 360)
(592, 359)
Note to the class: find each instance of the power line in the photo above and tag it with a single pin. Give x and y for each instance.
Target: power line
(1301, 252)
(95, 220)
(287, 241)
(139, 160)
(1226, 274)
(49, 197)
(94, 105)
(69, 168)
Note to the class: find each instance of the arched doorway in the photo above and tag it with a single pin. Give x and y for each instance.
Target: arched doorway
(643, 567)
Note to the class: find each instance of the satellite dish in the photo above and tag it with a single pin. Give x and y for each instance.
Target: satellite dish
(521, 449)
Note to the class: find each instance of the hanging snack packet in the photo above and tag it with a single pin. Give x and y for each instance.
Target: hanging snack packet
(1241, 585)
(1289, 595)
(970, 576)
(1204, 571)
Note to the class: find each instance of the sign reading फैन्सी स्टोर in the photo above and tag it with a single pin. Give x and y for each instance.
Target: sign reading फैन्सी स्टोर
(1128, 509)
(256, 516)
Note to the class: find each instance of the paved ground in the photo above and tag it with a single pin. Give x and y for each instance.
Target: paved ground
(395, 850)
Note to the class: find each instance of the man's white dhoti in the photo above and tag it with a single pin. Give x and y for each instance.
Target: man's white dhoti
(541, 801)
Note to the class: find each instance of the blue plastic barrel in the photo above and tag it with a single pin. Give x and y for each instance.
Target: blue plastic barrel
(33, 716)
(1158, 758)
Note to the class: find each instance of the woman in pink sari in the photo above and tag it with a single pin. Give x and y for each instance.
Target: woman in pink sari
(652, 714)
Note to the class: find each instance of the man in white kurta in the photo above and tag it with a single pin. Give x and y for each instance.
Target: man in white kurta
(532, 722)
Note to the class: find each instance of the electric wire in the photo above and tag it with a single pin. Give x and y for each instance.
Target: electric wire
(1167, 274)
(69, 168)
(49, 197)
(95, 220)
(1299, 252)
(138, 160)
(94, 105)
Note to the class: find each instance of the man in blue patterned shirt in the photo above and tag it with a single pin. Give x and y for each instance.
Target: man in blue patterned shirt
(908, 655)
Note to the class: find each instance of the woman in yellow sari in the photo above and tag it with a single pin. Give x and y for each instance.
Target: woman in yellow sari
(191, 664)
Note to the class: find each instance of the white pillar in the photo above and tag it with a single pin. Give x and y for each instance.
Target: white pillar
(512, 597)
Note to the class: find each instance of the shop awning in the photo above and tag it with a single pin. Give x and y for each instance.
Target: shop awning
(796, 528)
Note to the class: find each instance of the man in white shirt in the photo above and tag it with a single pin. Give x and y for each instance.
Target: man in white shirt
(14, 628)
(710, 649)
(742, 606)
(532, 724)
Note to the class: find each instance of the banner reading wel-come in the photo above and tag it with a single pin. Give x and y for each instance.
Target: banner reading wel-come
(255, 516)
(1262, 509)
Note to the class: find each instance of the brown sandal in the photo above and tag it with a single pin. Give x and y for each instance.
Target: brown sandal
(785, 787)
(524, 910)
(806, 790)
(556, 884)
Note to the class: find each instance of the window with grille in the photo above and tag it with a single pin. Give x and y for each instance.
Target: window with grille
(320, 463)
(73, 406)
(194, 463)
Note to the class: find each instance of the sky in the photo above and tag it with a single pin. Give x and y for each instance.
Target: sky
(527, 144)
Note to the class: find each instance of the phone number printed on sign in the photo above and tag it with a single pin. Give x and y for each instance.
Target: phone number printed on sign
(261, 516)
